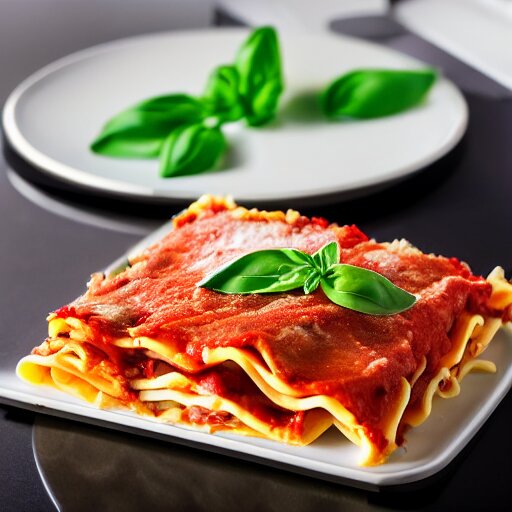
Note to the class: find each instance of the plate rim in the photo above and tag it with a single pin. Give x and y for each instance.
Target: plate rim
(84, 180)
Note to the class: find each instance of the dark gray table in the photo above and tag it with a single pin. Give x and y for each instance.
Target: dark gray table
(459, 206)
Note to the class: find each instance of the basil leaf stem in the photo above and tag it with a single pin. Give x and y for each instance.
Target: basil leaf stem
(261, 83)
(191, 149)
(280, 270)
(371, 93)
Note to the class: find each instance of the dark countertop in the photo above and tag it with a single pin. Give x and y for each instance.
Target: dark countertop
(459, 206)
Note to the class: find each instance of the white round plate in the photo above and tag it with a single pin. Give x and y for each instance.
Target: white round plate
(52, 117)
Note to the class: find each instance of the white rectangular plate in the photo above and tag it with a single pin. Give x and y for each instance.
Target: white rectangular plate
(430, 447)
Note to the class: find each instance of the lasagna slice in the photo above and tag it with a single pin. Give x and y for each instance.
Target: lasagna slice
(284, 366)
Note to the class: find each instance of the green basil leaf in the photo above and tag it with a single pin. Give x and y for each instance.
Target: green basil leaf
(176, 105)
(312, 281)
(140, 131)
(264, 104)
(128, 146)
(133, 134)
(374, 93)
(266, 271)
(326, 257)
(364, 291)
(259, 67)
(191, 149)
(221, 94)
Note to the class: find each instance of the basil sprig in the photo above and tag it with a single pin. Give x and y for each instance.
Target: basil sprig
(185, 131)
(281, 270)
(372, 93)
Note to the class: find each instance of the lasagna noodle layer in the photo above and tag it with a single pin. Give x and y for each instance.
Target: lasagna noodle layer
(173, 395)
(146, 314)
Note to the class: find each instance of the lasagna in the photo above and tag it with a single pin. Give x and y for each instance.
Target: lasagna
(284, 366)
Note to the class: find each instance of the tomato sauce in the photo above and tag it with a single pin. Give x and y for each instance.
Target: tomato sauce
(229, 381)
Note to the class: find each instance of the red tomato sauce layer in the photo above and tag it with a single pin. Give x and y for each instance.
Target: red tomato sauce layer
(231, 382)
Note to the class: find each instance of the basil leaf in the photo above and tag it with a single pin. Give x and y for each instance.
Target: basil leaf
(374, 93)
(140, 131)
(259, 67)
(133, 134)
(364, 291)
(191, 149)
(264, 103)
(175, 105)
(269, 270)
(221, 94)
(312, 281)
(326, 257)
